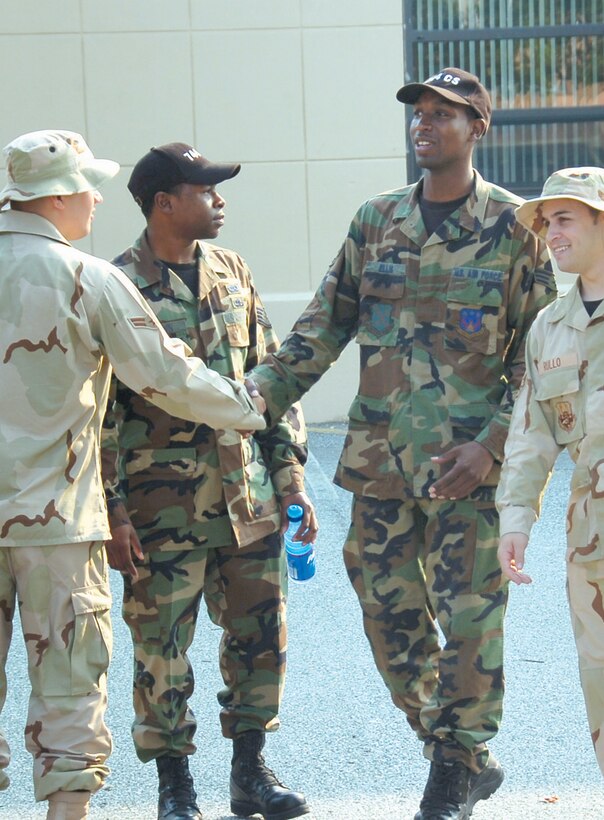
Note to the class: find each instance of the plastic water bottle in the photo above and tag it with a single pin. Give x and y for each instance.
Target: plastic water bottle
(300, 557)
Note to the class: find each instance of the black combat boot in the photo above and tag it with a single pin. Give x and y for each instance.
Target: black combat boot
(482, 785)
(177, 797)
(254, 787)
(453, 790)
(446, 792)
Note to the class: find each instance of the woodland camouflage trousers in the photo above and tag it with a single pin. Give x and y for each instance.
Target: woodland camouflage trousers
(423, 566)
(244, 589)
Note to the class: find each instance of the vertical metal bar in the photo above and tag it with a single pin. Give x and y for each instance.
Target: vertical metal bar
(451, 55)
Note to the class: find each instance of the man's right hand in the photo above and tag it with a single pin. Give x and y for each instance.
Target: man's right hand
(511, 557)
(124, 544)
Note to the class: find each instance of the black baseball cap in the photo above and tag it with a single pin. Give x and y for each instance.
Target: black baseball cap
(456, 85)
(166, 166)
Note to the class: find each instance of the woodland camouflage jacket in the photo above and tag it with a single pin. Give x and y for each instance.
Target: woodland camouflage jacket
(187, 484)
(440, 322)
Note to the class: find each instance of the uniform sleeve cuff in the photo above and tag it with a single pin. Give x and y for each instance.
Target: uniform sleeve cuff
(516, 519)
(289, 480)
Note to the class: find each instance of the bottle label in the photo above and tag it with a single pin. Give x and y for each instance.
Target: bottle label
(301, 567)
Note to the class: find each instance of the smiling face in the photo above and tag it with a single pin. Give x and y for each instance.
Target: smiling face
(574, 235)
(443, 133)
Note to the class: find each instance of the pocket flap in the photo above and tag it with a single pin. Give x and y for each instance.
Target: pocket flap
(91, 599)
(557, 383)
(369, 410)
(472, 414)
(384, 280)
(179, 459)
(475, 286)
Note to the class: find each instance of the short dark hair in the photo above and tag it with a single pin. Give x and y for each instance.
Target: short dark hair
(148, 203)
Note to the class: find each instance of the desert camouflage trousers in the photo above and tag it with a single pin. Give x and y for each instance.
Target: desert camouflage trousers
(244, 589)
(420, 567)
(64, 606)
(585, 588)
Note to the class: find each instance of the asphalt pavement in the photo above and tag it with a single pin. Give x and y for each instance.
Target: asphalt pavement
(342, 741)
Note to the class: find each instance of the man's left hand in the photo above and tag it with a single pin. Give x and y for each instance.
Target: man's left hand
(471, 465)
(309, 527)
(255, 396)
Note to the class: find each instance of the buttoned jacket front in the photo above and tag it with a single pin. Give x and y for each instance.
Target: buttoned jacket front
(560, 406)
(440, 321)
(187, 483)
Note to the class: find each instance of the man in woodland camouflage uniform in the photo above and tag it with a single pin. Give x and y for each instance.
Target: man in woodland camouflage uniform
(65, 318)
(206, 505)
(561, 405)
(439, 285)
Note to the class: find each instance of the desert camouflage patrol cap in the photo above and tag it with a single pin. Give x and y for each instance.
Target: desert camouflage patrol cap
(166, 166)
(584, 184)
(453, 84)
(52, 163)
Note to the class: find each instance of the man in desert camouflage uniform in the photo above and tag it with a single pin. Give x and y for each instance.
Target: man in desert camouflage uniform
(65, 318)
(438, 284)
(561, 406)
(206, 505)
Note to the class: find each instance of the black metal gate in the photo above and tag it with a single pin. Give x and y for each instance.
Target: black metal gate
(543, 63)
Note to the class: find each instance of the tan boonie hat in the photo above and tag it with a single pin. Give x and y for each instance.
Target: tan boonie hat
(455, 85)
(52, 163)
(582, 184)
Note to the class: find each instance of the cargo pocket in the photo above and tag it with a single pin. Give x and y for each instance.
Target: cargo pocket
(92, 637)
(161, 484)
(469, 420)
(236, 325)
(367, 453)
(474, 300)
(560, 390)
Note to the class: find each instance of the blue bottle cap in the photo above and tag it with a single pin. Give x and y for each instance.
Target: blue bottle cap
(295, 512)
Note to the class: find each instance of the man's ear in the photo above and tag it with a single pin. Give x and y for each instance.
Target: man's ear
(57, 201)
(163, 202)
(479, 129)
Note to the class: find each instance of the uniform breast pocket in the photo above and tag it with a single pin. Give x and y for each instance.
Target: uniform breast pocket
(474, 301)
(236, 325)
(559, 390)
(177, 328)
(381, 293)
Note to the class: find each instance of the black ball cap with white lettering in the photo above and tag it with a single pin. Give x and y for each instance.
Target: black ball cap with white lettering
(166, 166)
(456, 85)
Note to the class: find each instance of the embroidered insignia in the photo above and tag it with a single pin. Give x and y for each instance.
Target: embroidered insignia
(381, 318)
(262, 317)
(566, 417)
(470, 320)
(233, 288)
(237, 302)
(384, 267)
(478, 274)
(140, 322)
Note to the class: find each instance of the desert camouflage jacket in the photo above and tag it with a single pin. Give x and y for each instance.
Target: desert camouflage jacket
(64, 317)
(561, 405)
(187, 484)
(440, 321)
